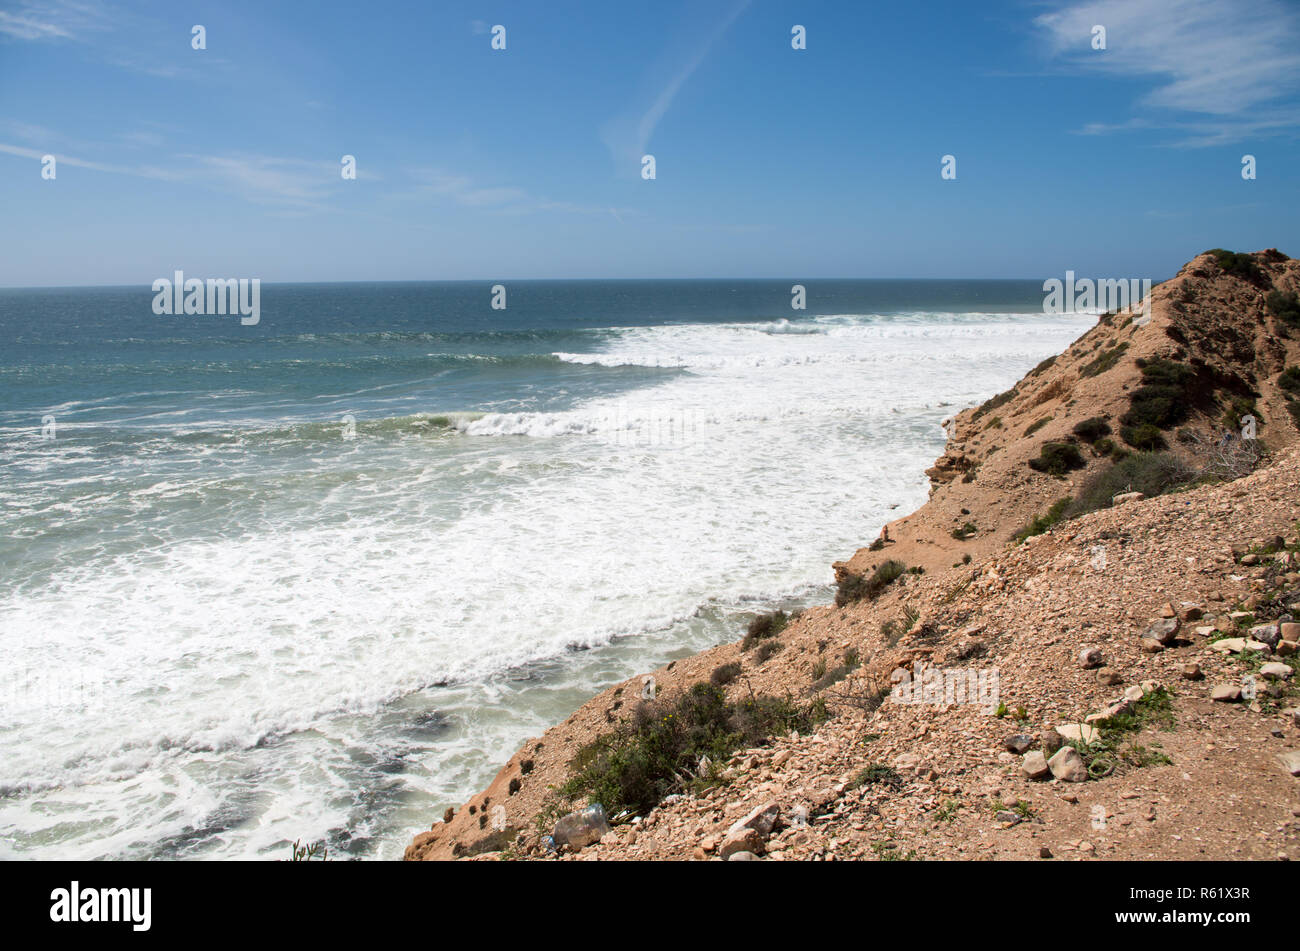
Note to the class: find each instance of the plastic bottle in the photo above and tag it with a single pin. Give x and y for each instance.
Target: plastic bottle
(581, 828)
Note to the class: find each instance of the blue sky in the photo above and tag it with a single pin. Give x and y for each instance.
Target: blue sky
(476, 164)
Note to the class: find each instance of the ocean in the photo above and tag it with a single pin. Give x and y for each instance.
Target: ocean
(316, 579)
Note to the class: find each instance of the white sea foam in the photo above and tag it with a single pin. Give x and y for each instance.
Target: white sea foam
(256, 657)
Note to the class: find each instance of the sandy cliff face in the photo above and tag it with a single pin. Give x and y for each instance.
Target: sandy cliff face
(1096, 582)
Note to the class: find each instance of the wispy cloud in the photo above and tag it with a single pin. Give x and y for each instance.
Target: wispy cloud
(502, 199)
(628, 137)
(54, 20)
(1228, 63)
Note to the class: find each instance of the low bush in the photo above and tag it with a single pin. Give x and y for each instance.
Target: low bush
(1144, 438)
(1290, 380)
(861, 587)
(1285, 307)
(1162, 398)
(725, 674)
(763, 627)
(1238, 263)
(1057, 458)
(1090, 430)
(659, 751)
(1151, 473)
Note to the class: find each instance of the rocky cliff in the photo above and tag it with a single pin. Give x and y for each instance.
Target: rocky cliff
(1082, 644)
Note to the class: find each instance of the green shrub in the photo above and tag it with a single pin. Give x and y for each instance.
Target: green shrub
(765, 650)
(1238, 263)
(1057, 458)
(1239, 406)
(1105, 446)
(1162, 398)
(1035, 427)
(965, 533)
(1144, 438)
(1285, 307)
(1042, 523)
(1090, 430)
(725, 674)
(1290, 380)
(652, 756)
(859, 587)
(764, 626)
(1151, 473)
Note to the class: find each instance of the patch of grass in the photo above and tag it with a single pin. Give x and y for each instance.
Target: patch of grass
(888, 852)
(1042, 366)
(658, 752)
(861, 587)
(1115, 746)
(1104, 361)
(994, 423)
(1036, 426)
(910, 616)
(947, 810)
(1151, 473)
(765, 650)
(1057, 459)
(1042, 523)
(1092, 429)
(875, 774)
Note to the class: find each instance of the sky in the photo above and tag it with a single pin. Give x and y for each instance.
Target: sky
(475, 163)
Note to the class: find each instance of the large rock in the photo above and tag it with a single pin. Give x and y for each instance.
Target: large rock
(1276, 671)
(1109, 677)
(1290, 762)
(1068, 766)
(1050, 741)
(1229, 645)
(1226, 693)
(1268, 634)
(1079, 732)
(762, 819)
(1090, 657)
(1163, 630)
(742, 840)
(1020, 743)
(1035, 765)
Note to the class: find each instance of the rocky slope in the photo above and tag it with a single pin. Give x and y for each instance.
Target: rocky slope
(1129, 615)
